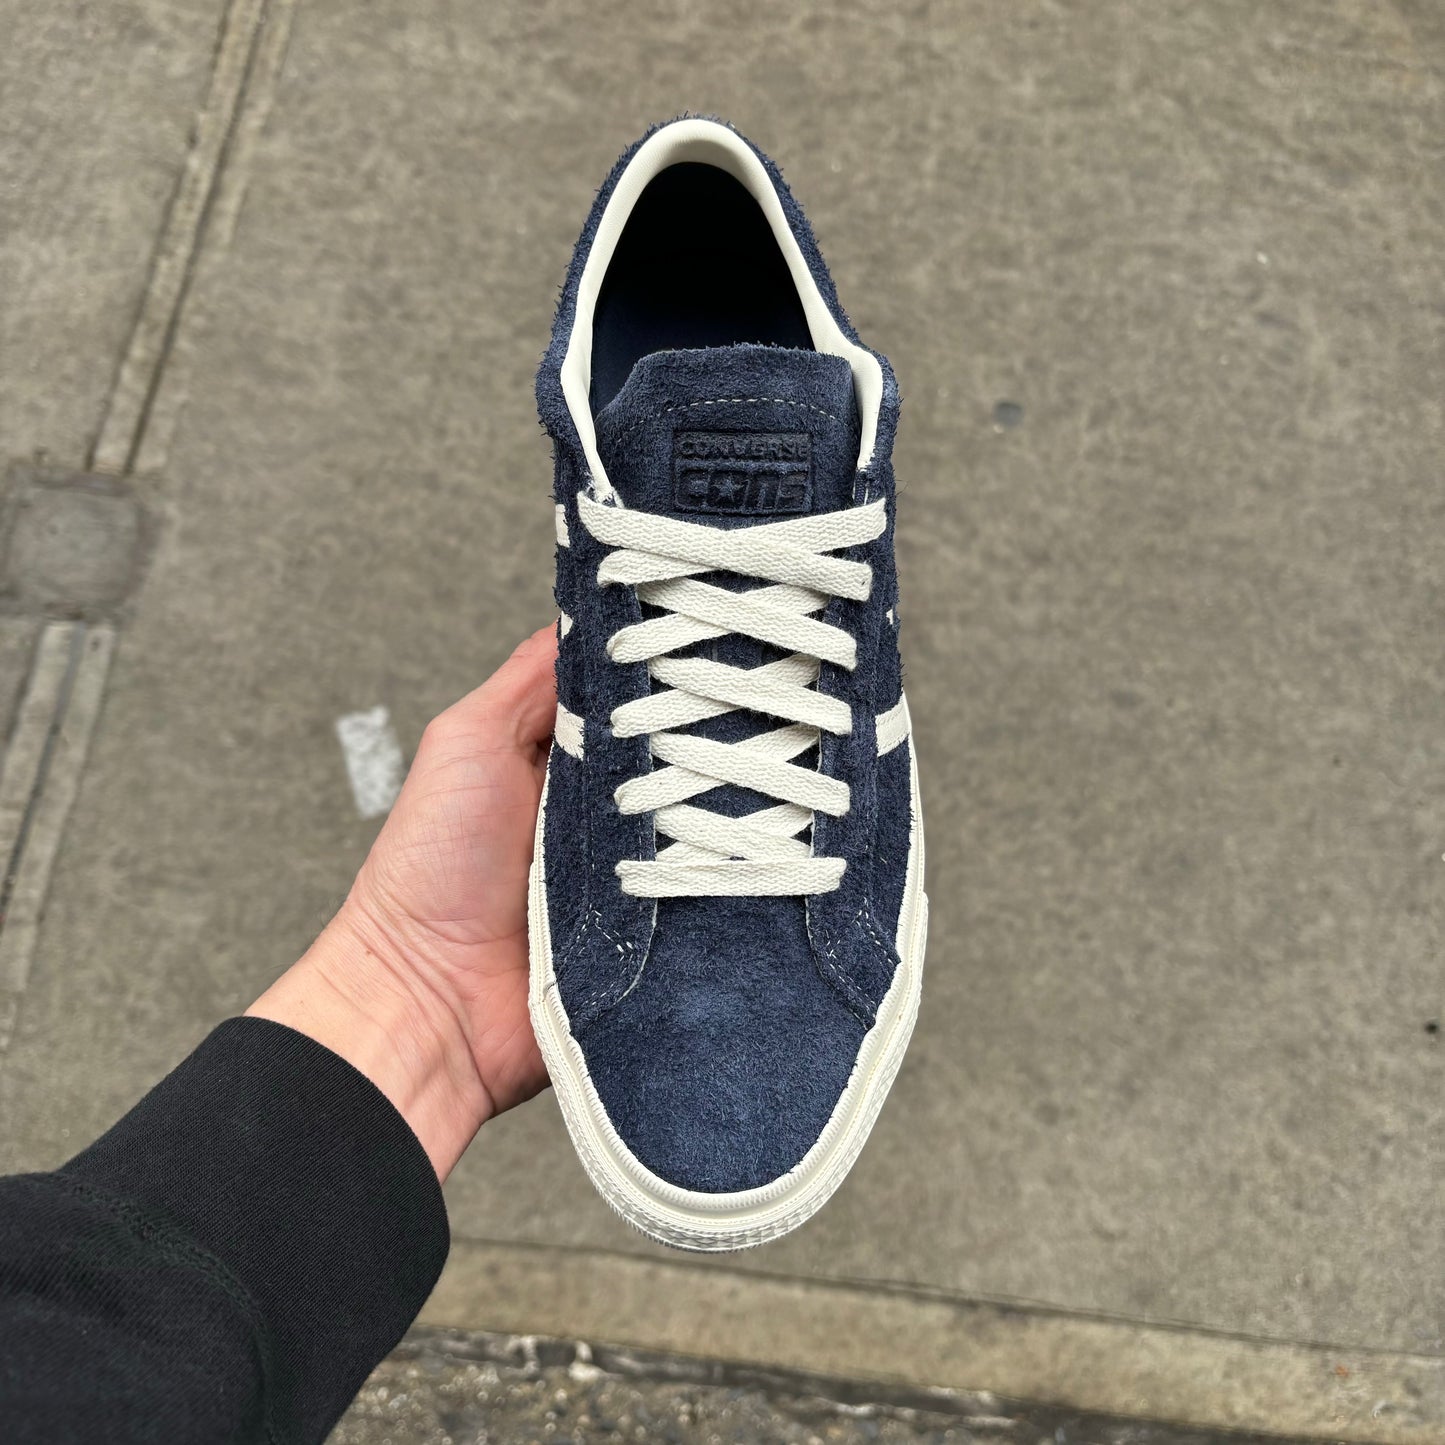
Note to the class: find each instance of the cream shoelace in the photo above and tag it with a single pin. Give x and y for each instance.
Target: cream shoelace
(710, 853)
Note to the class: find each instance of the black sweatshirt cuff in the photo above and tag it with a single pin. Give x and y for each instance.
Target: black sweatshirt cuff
(294, 1171)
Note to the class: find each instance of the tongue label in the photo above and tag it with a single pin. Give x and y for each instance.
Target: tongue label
(742, 473)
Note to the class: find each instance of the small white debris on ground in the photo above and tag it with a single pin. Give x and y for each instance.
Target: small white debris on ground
(373, 759)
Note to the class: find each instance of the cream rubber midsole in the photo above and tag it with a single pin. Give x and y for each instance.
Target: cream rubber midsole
(690, 1219)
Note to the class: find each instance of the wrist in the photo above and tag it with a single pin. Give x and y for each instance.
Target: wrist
(358, 996)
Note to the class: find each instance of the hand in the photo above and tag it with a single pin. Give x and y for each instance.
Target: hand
(420, 981)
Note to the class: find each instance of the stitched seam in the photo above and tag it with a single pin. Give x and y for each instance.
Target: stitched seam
(853, 998)
(607, 992)
(851, 992)
(177, 1248)
(865, 917)
(610, 991)
(722, 401)
(628, 972)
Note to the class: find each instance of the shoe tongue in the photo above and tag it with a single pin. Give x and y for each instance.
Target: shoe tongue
(733, 435)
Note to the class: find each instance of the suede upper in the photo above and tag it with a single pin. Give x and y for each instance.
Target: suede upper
(719, 1032)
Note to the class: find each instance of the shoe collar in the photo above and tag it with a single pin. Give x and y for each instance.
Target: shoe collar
(711, 143)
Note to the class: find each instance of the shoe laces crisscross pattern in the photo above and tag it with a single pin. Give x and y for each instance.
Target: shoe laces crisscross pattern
(711, 853)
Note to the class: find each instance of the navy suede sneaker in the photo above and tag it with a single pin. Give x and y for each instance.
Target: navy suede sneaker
(727, 911)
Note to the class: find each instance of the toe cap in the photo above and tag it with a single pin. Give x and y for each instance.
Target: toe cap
(721, 1068)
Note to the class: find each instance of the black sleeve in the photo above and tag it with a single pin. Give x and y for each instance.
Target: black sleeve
(226, 1264)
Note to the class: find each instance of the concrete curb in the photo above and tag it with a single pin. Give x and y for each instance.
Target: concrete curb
(885, 1333)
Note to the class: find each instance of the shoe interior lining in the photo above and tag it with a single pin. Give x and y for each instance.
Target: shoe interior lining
(697, 265)
(715, 145)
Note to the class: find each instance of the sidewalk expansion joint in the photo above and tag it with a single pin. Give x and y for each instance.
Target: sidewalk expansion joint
(248, 60)
(46, 570)
(44, 760)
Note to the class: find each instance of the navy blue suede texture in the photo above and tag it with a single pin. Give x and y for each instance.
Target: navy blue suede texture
(729, 389)
(720, 1032)
(721, 1067)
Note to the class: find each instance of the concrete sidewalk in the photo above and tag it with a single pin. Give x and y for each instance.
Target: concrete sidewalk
(1163, 288)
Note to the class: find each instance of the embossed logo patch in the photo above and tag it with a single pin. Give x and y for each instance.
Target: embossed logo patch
(742, 473)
